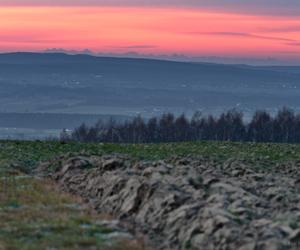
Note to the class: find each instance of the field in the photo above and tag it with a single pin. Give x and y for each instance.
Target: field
(31, 220)
(27, 155)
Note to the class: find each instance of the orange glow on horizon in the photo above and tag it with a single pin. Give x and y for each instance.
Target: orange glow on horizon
(148, 30)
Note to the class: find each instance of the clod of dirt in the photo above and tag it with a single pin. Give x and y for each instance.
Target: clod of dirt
(190, 203)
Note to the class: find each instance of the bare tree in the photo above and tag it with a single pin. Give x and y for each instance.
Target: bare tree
(229, 126)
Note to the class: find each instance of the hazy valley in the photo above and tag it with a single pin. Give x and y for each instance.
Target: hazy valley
(60, 83)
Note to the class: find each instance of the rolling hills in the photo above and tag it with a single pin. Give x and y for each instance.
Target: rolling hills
(60, 83)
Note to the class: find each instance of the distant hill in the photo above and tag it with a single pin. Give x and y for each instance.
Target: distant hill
(60, 83)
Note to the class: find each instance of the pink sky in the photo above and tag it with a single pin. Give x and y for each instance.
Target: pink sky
(195, 32)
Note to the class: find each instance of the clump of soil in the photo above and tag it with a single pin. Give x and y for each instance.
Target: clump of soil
(191, 203)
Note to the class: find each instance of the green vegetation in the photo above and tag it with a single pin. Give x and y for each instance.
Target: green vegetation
(28, 154)
(31, 220)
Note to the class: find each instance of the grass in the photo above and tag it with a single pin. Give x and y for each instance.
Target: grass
(34, 216)
(29, 154)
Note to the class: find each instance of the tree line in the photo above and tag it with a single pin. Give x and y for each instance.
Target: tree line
(283, 127)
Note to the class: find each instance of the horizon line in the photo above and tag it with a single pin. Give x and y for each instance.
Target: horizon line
(181, 58)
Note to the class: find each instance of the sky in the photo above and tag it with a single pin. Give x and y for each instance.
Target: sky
(231, 28)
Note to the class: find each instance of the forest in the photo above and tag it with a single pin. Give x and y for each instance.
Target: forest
(284, 127)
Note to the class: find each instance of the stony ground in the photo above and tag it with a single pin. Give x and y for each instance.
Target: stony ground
(190, 203)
